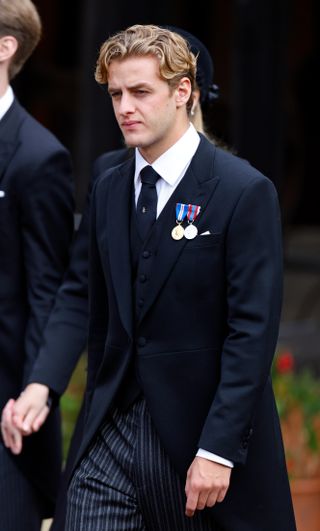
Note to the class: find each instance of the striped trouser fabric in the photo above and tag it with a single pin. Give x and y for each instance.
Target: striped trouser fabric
(21, 505)
(127, 483)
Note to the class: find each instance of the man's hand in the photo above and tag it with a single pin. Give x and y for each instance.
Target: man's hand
(12, 437)
(31, 409)
(207, 483)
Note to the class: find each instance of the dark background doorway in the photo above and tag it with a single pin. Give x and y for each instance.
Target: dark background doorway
(266, 54)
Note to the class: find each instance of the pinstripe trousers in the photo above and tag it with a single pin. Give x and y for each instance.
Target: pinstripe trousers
(126, 482)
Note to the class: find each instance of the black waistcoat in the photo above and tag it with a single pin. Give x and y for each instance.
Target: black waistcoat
(142, 255)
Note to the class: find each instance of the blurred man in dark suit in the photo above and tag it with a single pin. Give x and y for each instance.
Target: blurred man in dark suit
(36, 226)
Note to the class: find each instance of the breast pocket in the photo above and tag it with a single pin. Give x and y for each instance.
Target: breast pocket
(199, 268)
(205, 240)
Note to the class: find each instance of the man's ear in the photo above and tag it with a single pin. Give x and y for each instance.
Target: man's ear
(8, 47)
(183, 92)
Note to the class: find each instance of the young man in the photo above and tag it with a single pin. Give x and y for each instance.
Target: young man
(185, 295)
(36, 223)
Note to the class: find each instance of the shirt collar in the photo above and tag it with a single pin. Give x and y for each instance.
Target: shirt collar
(6, 101)
(172, 162)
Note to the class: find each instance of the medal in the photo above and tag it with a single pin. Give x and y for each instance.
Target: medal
(177, 232)
(191, 230)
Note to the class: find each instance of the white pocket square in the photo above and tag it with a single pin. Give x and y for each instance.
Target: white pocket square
(206, 233)
(2, 193)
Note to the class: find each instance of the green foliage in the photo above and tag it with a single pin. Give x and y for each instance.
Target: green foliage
(297, 396)
(71, 401)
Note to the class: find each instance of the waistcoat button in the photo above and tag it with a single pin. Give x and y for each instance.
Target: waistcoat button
(142, 341)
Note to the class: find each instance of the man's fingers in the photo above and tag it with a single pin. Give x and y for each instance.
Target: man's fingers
(19, 418)
(212, 499)
(23, 409)
(30, 409)
(202, 500)
(5, 421)
(222, 494)
(15, 441)
(40, 419)
(11, 436)
(192, 501)
(28, 420)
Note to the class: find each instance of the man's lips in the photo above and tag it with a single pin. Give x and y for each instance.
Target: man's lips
(129, 124)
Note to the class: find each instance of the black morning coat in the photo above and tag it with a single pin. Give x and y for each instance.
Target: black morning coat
(206, 334)
(236, 193)
(36, 226)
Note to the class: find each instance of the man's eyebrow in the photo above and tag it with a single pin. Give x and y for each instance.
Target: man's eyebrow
(142, 84)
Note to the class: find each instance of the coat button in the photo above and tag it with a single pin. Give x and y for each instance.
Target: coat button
(146, 254)
(142, 278)
(140, 302)
(142, 341)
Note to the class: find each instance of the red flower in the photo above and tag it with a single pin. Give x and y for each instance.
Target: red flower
(285, 362)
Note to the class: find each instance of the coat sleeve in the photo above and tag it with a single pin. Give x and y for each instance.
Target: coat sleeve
(254, 295)
(47, 227)
(98, 299)
(65, 335)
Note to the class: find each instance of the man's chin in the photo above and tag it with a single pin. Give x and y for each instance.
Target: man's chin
(133, 141)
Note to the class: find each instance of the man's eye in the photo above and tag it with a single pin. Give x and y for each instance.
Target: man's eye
(114, 94)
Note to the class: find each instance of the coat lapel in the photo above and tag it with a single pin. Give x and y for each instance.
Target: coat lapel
(120, 200)
(196, 187)
(7, 150)
(9, 126)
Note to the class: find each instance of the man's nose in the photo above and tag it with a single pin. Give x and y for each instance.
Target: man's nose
(126, 104)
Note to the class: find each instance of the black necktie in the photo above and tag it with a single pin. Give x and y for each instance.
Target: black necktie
(147, 201)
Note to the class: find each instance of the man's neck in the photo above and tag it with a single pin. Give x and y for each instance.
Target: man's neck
(153, 152)
(4, 84)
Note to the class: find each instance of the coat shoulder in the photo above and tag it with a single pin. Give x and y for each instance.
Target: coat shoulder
(109, 160)
(36, 138)
(239, 172)
(117, 166)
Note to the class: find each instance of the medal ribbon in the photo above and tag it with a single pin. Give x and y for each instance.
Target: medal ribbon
(192, 213)
(181, 212)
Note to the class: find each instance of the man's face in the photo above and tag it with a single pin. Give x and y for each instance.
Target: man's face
(145, 107)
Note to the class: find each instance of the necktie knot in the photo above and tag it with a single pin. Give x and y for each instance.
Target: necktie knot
(149, 176)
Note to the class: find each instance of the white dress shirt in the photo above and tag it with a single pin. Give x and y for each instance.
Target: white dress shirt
(172, 166)
(6, 101)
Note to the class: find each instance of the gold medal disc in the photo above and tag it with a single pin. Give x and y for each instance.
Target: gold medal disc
(177, 232)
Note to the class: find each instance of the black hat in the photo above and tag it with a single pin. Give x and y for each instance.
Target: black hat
(209, 92)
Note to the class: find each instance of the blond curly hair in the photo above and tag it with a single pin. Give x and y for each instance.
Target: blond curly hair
(173, 52)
